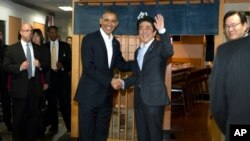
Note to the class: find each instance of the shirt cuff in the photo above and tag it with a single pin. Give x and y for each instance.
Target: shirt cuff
(123, 85)
(162, 30)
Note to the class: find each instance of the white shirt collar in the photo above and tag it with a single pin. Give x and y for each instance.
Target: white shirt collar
(56, 42)
(147, 44)
(25, 43)
(105, 36)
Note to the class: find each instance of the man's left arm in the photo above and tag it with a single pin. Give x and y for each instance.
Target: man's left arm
(167, 48)
(217, 93)
(121, 64)
(64, 62)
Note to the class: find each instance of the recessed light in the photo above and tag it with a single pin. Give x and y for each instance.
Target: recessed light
(66, 8)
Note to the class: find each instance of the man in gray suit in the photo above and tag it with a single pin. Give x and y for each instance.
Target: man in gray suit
(149, 78)
(229, 85)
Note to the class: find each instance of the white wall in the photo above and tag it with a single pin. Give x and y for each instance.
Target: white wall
(27, 15)
(64, 23)
(236, 6)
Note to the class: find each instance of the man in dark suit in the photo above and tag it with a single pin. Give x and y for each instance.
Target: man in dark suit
(5, 97)
(24, 62)
(235, 25)
(100, 55)
(149, 78)
(229, 85)
(2, 82)
(59, 80)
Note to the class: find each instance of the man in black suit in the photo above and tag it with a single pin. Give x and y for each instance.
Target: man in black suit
(5, 97)
(59, 80)
(100, 55)
(2, 82)
(149, 78)
(235, 25)
(25, 63)
(229, 85)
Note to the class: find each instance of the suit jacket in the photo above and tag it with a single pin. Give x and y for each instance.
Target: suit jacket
(150, 81)
(94, 85)
(229, 84)
(13, 58)
(64, 57)
(2, 74)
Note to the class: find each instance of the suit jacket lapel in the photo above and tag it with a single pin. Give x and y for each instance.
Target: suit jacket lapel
(21, 52)
(135, 58)
(59, 50)
(35, 50)
(114, 46)
(147, 54)
(103, 47)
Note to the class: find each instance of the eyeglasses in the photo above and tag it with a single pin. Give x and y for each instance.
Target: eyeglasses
(233, 26)
(27, 30)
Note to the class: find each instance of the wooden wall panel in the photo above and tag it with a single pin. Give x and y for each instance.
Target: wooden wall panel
(39, 26)
(15, 24)
(75, 76)
(237, 1)
(196, 62)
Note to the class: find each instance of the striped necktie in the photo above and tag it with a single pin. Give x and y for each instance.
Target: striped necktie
(53, 57)
(29, 60)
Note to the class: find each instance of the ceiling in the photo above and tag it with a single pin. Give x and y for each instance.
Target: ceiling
(49, 6)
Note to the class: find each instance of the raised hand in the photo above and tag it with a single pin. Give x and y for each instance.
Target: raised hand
(159, 22)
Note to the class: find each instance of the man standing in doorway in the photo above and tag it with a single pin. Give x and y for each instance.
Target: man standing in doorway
(59, 80)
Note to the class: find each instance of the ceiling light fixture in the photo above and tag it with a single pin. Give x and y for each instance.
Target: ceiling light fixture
(66, 8)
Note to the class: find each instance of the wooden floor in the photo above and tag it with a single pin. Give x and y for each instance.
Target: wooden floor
(198, 125)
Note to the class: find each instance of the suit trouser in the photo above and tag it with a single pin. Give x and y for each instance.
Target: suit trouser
(59, 92)
(6, 100)
(25, 115)
(6, 106)
(148, 120)
(94, 122)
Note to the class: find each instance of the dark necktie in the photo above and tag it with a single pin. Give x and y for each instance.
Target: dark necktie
(29, 60)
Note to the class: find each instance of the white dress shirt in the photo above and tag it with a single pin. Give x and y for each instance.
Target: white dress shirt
(109, 46)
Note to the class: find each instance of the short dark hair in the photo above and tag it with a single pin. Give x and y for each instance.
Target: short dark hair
(241, 14)
(147, 19)
(40, 34)
(52, 27)
(110, 11)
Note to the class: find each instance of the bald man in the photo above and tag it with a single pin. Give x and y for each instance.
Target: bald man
(24, 62)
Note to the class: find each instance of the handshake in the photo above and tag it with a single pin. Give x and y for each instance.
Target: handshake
(117, 83)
